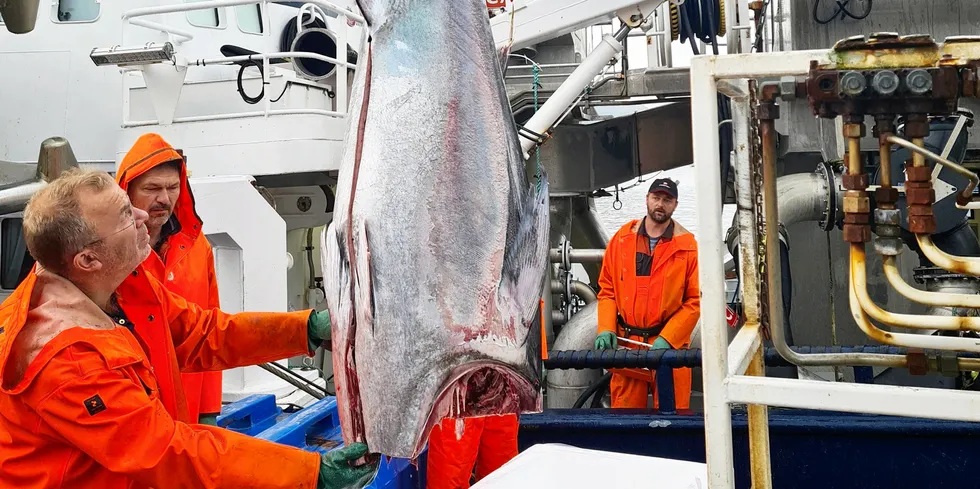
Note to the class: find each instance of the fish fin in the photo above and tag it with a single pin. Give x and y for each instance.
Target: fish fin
(336, 284)
(525, 265)
(364, 294)
(503, 56)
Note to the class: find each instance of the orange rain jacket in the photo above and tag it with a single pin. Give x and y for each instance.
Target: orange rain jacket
(82, 405)
(185, 263)
(669, 296)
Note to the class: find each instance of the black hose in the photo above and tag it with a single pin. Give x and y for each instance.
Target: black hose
(595, 388)
(698, 22)
(841, 10)
(241, 74)
(690, 358)
(295, 380)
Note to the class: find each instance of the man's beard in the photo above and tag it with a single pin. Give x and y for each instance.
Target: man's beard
(664, 217)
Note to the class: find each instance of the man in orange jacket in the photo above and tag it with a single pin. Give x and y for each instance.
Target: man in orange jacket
(89, 386)
(650, 294)
(486, 443)
(154, 175)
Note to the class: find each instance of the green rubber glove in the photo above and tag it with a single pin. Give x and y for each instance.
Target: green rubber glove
(318, 328)
(208, 419)
(605, 341)
(336, 471)
(660, 344)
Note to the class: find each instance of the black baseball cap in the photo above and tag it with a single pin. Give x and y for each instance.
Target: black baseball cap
(665, 185)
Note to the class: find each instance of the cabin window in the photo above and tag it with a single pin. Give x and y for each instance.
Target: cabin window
(210, 17)
(15, 261)
(249, 18)
(78, 10)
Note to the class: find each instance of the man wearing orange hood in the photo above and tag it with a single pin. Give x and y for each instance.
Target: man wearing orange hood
(91, 347)
(154, 175)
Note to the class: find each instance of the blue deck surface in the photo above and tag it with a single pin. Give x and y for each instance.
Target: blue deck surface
(809, 449)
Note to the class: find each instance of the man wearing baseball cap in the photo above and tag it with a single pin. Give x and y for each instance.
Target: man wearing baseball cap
(650, 294)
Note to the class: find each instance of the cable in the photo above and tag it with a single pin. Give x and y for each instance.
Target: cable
(700, 21)
(597, 388)
(703, 27)
(841, 10)
(241, 74)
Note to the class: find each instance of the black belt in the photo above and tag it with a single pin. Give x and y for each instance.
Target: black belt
(644, 333)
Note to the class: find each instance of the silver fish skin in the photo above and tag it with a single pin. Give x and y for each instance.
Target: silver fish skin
(437, 254)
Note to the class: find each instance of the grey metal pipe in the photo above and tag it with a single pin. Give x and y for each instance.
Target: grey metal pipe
(579, 288)
(558, 317)
(14, 197)
(564, 386)
(802, 197)
(578, 256)
(54, 157)
(767, 130)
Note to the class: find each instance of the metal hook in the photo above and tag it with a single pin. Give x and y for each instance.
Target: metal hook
(617, 204)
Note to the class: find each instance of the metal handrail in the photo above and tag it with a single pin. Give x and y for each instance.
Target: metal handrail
(265, 56)
(189, 7)
(133, 17)
(239, 115)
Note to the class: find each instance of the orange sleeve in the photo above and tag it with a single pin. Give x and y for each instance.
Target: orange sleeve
(607, 309)
(681, 324)
(209, 339)
(109, 416)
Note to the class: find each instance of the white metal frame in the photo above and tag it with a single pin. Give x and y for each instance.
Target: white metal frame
(179, 36)
(724, 366)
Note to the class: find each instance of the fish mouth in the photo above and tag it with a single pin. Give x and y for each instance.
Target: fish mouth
(483, 388)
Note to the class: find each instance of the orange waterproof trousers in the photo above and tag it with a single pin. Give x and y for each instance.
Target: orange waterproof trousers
(486, 442)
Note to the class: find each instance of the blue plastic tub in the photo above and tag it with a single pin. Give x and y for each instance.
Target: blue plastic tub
(251, 415)
(316, 428)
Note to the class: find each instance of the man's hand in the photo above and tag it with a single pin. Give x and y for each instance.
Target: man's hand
(318, 328)
(605, 341)
(660, 344)
(336, 471)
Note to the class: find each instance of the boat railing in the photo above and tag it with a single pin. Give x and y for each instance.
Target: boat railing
(178, 36)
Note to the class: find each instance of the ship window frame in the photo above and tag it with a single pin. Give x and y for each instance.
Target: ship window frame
(56, 10)
(222, 18)
(261, 14)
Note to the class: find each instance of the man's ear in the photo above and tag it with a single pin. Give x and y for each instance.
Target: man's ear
(87, 261)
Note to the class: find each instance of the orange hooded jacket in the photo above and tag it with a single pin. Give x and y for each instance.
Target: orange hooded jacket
(669, 296)
(82, 406)
(185, 263)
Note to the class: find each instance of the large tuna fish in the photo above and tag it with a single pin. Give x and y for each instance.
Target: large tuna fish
(435, 260)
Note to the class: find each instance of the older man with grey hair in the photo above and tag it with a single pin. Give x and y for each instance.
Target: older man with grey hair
(84, 405)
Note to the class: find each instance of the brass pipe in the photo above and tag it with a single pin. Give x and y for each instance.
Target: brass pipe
(965, 364)
(952, 263)
(761, 467)
(854, 166)
(918, 158)
(912, 321)
(858, 311)
(937, 299)
(885, 156)
(919, 155)
(774, 275)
